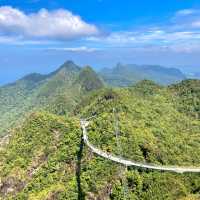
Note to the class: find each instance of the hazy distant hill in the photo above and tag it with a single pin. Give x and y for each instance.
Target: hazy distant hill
(57, 92)
(125, 75)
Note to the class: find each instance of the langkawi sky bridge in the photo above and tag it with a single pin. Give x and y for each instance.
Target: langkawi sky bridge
(128, 163)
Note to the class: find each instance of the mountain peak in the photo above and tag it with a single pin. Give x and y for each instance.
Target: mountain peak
(70, 65)
(89, 79)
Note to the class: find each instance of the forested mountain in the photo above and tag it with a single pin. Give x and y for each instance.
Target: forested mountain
(57, 92)
(126, 75)
(60, 91)
(47, 159)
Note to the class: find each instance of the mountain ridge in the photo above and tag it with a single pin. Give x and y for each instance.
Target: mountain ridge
(36, 91)
(126, 75)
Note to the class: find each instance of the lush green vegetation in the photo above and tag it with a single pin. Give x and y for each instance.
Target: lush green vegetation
(61, 90)
(151, 127)
(187, 95)
(57, 92)
(47, 159)
(40, 160)
(126, 75)
(153, 130)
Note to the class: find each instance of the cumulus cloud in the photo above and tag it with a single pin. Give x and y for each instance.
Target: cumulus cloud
(180, 33)
(57, 25)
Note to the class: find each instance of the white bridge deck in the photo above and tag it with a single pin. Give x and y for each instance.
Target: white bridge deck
(125, 162)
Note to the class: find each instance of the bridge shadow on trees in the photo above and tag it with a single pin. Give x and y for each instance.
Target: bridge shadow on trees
(81, 195)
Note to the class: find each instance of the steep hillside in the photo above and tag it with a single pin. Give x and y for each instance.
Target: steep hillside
(40, 160)
(152, 127)
(57, 92)
(47, 159)
(126, 75)
(89, 80)
(152, 130)
(187, 97)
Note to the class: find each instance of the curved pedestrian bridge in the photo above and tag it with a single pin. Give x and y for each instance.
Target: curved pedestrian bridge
(177, 169)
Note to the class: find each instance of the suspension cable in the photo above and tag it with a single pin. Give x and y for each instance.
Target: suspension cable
(119, 149)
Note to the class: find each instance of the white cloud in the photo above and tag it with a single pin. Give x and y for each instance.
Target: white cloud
(186, 12)
(180, 34)
(13, 40)
(57, 25)
(75, 49)
(146, 37)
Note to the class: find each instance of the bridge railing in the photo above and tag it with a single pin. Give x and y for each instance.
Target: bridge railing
(177, 169)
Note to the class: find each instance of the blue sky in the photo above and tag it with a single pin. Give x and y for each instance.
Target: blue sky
(39, 35)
